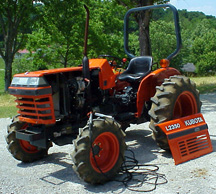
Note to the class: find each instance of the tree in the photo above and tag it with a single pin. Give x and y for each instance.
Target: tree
(143, 20)
(15, 20)
(163, 40)
(207, 64)
(59, 34)
(106, 28)
(204, 49)
(63, 21)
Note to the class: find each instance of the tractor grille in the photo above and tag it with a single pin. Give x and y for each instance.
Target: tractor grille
(36, 109)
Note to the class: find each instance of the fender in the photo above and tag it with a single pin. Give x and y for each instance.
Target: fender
(147, 87)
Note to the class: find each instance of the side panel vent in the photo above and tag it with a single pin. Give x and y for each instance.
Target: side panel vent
(190, 146)
(188, 137)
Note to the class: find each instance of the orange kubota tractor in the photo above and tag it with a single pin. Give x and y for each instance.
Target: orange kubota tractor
(54, 106)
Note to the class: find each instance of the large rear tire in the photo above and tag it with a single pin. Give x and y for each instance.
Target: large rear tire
(177, 97)
(98, 154)
(20, 149)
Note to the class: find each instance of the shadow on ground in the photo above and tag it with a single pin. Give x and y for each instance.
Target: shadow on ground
(138, 140)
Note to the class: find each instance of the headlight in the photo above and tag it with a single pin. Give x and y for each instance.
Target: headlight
(29, 81)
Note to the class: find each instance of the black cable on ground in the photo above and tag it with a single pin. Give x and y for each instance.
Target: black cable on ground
(135, 177)
(139, 177)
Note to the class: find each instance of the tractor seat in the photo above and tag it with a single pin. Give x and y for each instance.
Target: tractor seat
(138, 68)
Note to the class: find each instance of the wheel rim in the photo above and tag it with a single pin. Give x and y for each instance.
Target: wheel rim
(106, 152)
(185, 105)
(26, 146)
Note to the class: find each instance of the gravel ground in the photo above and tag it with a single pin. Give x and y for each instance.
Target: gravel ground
(54, 174)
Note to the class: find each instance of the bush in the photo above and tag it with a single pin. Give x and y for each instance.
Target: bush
(207, 64)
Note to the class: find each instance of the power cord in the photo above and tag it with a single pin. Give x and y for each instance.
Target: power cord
(134, 176)
(139, 177)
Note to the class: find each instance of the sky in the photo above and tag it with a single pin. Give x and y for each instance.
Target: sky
(208, 7)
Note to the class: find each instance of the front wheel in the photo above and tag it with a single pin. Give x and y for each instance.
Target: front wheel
(177, 97)
(20, 149)
(98, 153)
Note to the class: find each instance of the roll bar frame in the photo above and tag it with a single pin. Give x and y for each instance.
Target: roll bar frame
(176, 23)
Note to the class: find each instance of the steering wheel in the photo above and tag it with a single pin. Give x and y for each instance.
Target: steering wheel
(113, 59)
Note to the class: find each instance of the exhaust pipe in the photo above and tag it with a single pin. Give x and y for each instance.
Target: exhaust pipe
(86, 71)
(85, 61)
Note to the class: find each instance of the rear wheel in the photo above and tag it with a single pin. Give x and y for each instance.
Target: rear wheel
(98, 154)
(177, 97)
(21, 149)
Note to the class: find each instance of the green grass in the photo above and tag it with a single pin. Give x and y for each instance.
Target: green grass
(2, 65)
(7, 106)
(205, 84)
(7, 103)
(1, 75)
(1, 81)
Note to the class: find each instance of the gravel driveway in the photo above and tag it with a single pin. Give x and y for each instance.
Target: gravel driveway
(54, 174)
